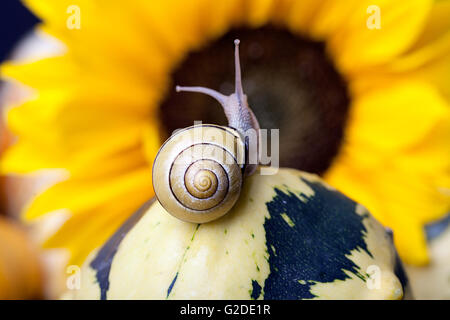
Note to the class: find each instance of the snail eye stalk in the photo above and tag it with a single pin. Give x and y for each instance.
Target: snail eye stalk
(235, 106)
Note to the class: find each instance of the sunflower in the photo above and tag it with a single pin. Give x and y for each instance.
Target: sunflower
(367, 108)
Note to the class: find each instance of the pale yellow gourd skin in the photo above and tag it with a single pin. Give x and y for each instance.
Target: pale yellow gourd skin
(220, 259)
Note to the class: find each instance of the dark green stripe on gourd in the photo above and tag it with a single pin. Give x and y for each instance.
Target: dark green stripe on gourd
(313, 249)
(103, 260)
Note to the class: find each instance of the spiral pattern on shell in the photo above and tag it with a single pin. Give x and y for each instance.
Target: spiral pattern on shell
(201, 178)
(197, 174)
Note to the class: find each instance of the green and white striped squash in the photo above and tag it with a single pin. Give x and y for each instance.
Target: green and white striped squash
(290, 236)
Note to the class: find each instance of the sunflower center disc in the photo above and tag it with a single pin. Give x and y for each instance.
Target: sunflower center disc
(291, 84)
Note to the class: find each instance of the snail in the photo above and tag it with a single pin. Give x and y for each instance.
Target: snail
(199, 171)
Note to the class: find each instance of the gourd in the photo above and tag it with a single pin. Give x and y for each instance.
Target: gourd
(282, 236)
(20, 270)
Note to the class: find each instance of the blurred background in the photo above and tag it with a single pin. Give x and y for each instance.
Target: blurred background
(21, 275)
(16, 21)
(29, 272)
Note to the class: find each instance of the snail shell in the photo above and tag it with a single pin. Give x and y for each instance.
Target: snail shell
(198, 172)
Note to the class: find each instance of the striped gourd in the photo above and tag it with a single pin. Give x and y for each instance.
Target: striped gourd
(290, 236)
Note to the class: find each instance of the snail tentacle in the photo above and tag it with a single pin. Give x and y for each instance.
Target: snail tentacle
(236, 108)
(238, 90)
(210, 92)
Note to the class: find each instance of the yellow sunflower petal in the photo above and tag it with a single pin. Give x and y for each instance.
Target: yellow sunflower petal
(395, 117)
(177, 33)
(399, 199)
(37, 112)
(355, 183)
(331, 16)
(41, 73)
(110, 165)
(25, 157)
(431, 153)
(151, 136)
(124, 46)
(54, 12)
(355, 46)
(129, 55)
(438, 74)
(73, 131)
(95, 226)
(258, 12)
(422, 56)
(89, 193)
(397, 169)
(409, 237)
(221, 15)
(428, 58)
(435, 35)
(409, 202)
(46, 74)
(299, 15)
